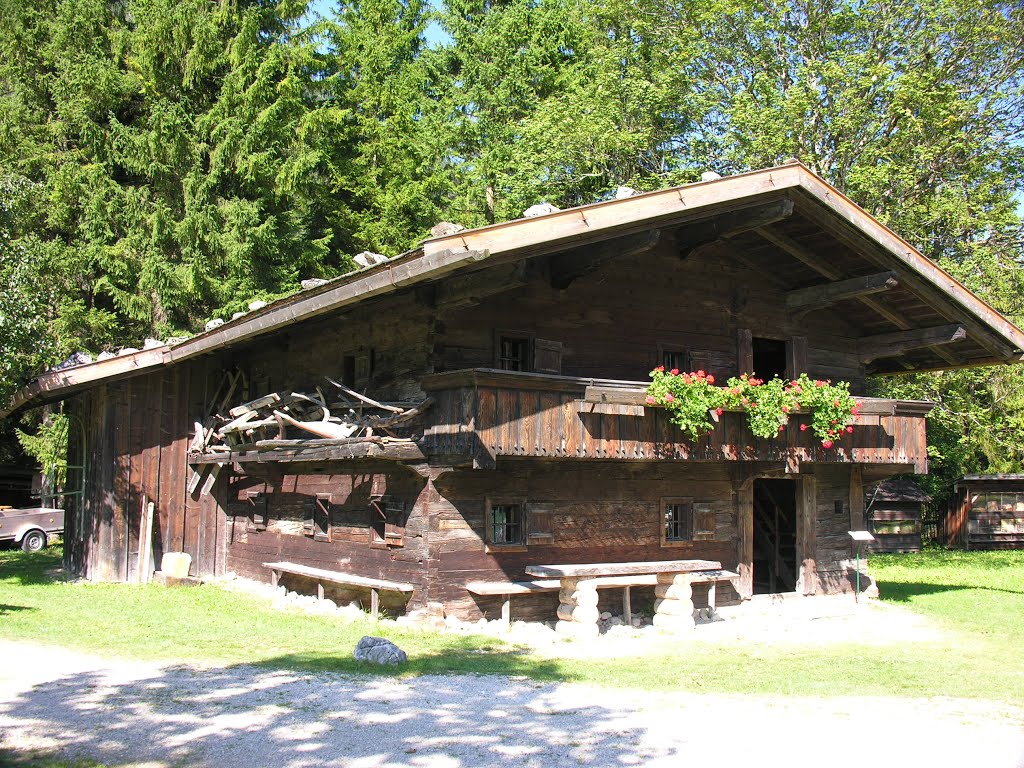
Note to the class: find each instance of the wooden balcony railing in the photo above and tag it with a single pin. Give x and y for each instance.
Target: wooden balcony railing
(487, 414)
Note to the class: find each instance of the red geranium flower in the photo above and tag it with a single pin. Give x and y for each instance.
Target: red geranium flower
(826, 443)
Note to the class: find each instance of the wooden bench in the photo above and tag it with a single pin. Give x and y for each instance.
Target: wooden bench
(508, 588)
(337, 577)
(712, 578)
(505, 589)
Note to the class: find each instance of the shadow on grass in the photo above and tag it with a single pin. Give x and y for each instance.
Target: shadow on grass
(470, 658)
(30, 568)
(5, 609)
(903, 592)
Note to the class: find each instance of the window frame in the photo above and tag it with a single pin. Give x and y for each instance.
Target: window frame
(663, 520)
(505, 501)
(527, 339)
(684, 360)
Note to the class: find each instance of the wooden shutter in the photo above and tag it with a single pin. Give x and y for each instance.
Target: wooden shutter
(703, 521)
(539, 523)
(547, 356)
(744, 351)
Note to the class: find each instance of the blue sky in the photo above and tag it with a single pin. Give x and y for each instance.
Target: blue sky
(435, 35)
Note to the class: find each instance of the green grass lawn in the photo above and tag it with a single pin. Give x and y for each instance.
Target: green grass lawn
(978, 597)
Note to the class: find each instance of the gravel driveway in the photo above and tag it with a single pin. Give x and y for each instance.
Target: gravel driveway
(146, 714)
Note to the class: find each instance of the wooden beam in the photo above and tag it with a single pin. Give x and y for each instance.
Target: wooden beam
(893, 344)
(863, 234)
(823, 295)
(570, 265)
(729, 224)
(592, 221)
(807, 535)
(798, 252)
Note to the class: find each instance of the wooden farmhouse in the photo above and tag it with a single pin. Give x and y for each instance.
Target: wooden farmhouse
(480, 403)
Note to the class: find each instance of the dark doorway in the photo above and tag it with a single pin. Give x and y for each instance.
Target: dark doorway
(774, 536)
(769, 358)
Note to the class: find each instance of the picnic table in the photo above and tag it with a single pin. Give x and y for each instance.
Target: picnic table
(579, 582)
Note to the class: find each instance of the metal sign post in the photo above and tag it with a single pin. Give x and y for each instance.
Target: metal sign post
(859, 538)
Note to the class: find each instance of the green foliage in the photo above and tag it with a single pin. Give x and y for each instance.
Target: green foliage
(49, 446)
(694, 403)
(691, 399)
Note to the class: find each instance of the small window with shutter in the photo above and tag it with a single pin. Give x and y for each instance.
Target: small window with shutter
(317, 514)
(387, 523)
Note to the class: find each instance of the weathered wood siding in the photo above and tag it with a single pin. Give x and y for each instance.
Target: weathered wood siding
(283, 496)
(595, 513)
(987, 513)
(613, 322)
(492, 414)
(136, 438)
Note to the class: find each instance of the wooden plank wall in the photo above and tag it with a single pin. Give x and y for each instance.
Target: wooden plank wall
(488, 421)
(348, 489)
(599, 512)
(613, 322)
(137, 437)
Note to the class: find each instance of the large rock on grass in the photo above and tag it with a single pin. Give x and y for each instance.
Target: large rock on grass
(378, 650)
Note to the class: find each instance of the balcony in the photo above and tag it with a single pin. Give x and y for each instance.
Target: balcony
(487, 414)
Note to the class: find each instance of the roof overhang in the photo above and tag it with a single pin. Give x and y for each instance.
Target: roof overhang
(962, 314)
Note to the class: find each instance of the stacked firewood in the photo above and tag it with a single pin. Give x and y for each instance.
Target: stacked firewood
(333, 411)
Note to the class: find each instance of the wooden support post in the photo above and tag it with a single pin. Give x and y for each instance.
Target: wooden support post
(273, 578)
(711, 599)
(857, 521)
(506, 611)
(807, 534)
(146, 542)
(627, 607)
(319, 590)
(745, 541)
(374, 604)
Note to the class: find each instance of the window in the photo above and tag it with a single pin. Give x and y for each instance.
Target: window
(677, 517)
(674, 358)
(769, 357)
(513, 353)
(387, 523)
(317, 513)
(506, 524)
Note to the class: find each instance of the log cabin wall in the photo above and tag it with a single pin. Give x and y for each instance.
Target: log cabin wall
(382, 348)
(618, 321)
(575, 511)
(358, 518)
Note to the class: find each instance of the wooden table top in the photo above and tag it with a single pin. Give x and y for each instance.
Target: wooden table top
(622, 569)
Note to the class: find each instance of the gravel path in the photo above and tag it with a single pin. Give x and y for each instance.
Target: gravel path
(146, 714)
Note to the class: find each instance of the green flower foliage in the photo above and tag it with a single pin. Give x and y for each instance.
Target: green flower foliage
(695, 403)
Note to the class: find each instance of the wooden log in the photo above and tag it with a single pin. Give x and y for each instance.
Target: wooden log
(892, 344)
(319, 428)
(824, 295)
(673, 607)
(578, 597)
(582, 614)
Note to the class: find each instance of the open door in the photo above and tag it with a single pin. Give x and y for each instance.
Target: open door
(775, 525)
